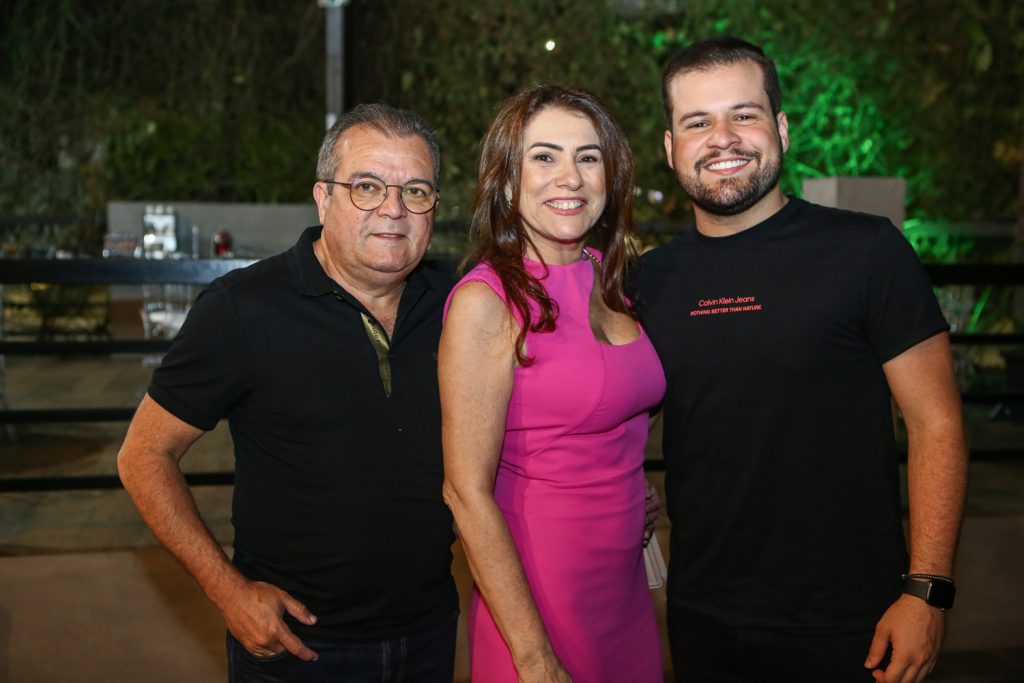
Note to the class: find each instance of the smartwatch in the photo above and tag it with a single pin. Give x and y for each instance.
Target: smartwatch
(937, 591)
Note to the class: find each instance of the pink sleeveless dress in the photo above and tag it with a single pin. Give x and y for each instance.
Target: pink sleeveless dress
(570, 483)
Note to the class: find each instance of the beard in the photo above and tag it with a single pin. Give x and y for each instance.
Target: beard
(730, 196)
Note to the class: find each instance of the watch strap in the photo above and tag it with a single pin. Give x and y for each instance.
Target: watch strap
(937, 591)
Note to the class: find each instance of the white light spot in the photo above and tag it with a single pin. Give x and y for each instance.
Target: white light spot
(549, 46)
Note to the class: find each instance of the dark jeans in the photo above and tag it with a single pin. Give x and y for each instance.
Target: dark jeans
(706, 650)
(427, 656)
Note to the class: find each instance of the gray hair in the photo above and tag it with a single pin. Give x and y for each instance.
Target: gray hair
(389, 121)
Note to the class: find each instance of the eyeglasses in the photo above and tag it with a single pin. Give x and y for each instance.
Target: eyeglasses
(369, 192)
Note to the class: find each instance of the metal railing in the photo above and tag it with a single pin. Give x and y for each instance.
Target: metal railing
(1006, 275)
(98, 272)
(202, 272)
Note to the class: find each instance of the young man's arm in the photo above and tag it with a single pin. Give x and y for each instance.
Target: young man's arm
(923, 384)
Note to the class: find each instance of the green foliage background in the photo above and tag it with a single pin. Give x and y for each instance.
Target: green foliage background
(223, 100)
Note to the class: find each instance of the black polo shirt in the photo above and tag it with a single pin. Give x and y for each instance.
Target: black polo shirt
(337, 486)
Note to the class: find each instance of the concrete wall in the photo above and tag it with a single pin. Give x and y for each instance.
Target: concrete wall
(258, 230)
(879, 196)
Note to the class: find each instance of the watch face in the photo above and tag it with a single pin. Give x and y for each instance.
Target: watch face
(941, 594)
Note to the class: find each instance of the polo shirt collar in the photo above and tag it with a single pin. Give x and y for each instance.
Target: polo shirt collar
(312, 279)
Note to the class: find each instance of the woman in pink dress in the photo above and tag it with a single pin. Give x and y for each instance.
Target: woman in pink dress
(546, 383)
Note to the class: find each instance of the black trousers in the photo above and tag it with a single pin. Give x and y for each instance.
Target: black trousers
(707, 650)
(425, 657)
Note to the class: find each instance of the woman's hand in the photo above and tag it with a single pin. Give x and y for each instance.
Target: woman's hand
(653, 506)
(546, 670)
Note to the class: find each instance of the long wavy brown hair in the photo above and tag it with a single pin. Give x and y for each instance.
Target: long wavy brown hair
(496, 230)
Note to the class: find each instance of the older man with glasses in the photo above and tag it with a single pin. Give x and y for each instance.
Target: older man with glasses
(323, 360)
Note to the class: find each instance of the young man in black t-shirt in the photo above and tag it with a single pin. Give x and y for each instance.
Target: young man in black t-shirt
(784, 329)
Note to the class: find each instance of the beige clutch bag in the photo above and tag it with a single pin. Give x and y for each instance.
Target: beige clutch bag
(654, 563)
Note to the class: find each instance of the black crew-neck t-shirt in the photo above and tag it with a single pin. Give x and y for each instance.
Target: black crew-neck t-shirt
(337, 494)
(782, 475)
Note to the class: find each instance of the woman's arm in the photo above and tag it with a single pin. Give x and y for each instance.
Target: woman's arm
(476, 366)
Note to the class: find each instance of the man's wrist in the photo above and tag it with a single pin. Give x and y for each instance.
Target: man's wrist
(224, 585)
(936, 590)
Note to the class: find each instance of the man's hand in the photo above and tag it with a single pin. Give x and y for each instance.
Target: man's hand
(653, 505)
(254, 616)
(915, 630)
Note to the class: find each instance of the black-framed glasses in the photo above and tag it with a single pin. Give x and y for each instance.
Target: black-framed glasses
(369, 192)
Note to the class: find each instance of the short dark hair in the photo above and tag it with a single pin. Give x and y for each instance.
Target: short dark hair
(389, 121)
(716, 52)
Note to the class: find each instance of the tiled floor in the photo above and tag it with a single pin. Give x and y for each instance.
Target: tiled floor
(86, 594)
